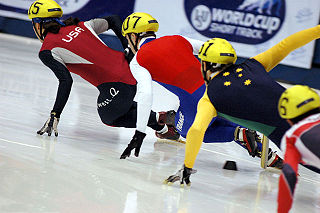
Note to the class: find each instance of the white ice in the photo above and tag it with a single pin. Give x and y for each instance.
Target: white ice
(80, 171)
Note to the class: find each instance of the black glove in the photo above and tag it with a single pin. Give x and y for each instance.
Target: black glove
(128, 54)
(50, 124)
(135, 143)
(183, 175)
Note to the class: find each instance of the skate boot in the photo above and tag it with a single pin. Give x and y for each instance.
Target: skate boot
(167, 119)
(274, 160)
(248, 139)
(171, 133)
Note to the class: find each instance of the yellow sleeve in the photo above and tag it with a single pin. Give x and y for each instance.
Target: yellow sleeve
(272, 57)
(205, 113)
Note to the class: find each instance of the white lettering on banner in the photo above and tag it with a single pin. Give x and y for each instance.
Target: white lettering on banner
(240, 31)
(113, 92)
(222, 28)
(73, 34)
(246, 19)
(249, 33)
(180, 121)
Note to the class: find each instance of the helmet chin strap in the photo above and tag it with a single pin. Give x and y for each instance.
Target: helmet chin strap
(204, 74)
(41, 21)
(212, 67)
(39, 34)
(135, 46)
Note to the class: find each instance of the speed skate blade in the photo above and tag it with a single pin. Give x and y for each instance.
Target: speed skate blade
(180, 141)
(264, 152)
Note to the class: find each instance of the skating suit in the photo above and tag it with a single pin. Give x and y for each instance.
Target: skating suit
(79, 50)
(246, 94)
(171, 62)
(301, 144)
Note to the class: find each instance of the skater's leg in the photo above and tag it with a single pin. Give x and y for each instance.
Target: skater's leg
(129, 119)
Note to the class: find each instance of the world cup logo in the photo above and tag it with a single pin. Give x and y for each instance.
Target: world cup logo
(242, 21)
(201, 17)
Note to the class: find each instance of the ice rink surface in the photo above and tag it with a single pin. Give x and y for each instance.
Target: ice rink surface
(80, 171)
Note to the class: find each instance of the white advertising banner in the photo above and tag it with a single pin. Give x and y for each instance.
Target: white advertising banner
(82, 9)
(252, 26)
(18, 8)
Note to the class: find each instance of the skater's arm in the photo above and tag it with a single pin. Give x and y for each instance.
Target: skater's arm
(273, 56)
(288, 178)
(196, 44)
(115, 25)
(144, 94)
(64, 76)
(113, 22)
(98, 25)
(205, 113)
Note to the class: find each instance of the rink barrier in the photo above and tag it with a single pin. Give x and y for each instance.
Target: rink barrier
(288, 74)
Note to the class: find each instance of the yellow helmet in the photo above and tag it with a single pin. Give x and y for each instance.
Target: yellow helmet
(218, 50)
(296, 101)
(138, 23)
(44, 9)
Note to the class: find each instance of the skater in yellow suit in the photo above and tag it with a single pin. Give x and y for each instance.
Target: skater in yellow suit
(242, 93)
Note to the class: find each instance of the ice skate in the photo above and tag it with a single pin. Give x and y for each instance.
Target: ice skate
(268, 157)
(247, 138)
(170, 134)
(167, 118)
(274, 160)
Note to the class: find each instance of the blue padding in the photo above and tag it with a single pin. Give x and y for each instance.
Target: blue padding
(294, 75)
(316, 58)
(2, 22)
(17, 27)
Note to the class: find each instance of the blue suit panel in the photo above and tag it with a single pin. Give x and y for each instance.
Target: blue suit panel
(220, 130)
